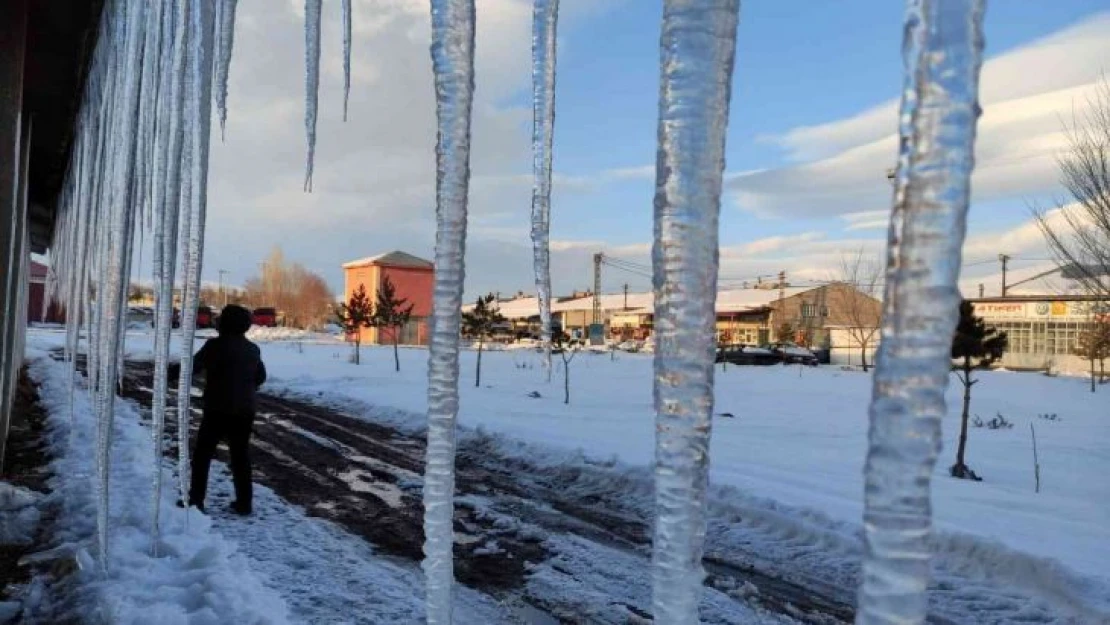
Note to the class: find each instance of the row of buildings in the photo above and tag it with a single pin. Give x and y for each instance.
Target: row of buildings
(1043, 329)
(827, 316)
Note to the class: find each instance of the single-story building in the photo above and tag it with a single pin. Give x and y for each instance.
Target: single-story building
(1042, 329)
(749, 316)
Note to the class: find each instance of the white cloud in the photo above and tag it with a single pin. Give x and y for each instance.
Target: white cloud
(1025, 94)
(1060, 61)
(374, 184)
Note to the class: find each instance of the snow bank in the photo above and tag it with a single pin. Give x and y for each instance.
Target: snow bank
(19, 514)
(261, 334)
(198, 576)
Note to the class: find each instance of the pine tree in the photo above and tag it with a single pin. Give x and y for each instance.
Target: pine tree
(479, 323)
(391, 312)
(974, 346)
(1093, 344)
(354, 315)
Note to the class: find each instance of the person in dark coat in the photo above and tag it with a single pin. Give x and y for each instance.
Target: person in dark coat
(233, 370)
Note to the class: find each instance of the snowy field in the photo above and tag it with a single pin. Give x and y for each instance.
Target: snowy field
(798, 435)
(790, 454)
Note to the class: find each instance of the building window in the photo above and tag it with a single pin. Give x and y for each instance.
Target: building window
(809, 311)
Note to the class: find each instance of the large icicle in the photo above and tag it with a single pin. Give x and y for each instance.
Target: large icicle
(698, 45)
(453, 63)
(167, 174)
(225, 40)
(311, 82)
(346, 55)
(545, 17)
(943, 53)
(127, 34)
(198, 115)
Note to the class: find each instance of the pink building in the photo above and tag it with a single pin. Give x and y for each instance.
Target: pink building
(414, 279)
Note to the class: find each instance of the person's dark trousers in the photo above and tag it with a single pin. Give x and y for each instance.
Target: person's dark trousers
(235, 430)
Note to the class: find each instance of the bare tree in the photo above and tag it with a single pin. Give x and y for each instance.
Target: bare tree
(303, 297)
(1078, 230)
(1093, 344)
(859, 304)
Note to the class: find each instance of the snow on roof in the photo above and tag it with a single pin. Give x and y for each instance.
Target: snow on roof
(395, 258)
(738, 300)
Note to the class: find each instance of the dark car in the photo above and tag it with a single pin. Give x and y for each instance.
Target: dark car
(747, 355)
(790, 354)
(205, 318)
(264, 317)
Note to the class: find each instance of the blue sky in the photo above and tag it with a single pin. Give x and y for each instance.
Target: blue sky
(804, 71)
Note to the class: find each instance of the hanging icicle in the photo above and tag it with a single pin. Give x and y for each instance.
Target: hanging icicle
(198, 115)
(311, 82)
(943, 53)
(167, 175)
(346, 55)
(545, 17)
(698, 45)
(125, 34)
(453, 63)
(225, 40)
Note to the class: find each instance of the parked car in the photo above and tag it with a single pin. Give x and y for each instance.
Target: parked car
(747, 355)
(205, 318)
(264, 317)
(790, 354)
(629, 346)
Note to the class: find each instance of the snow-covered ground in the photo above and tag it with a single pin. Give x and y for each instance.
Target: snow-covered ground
(788, 450)
(798, 435)
(197, 576)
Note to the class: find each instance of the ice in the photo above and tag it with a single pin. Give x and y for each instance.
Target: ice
(453, 64)
(698, 47)
(198, 114)
(125, 36)
(311, 82)
(346, 55)
(225, 40)
(168, 171)
(942, 55)
(545, 17)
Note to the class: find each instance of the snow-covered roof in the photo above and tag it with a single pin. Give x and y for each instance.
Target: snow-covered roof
(395, 258)
(736, 300)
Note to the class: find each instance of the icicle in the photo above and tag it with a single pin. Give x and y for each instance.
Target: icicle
(545, 16)
(453, 63)
(346, 55)
(311, 82)
(198, 127)
(167, 177)
(942, 54)
(698, 46)
(225, 40)
(127, 39)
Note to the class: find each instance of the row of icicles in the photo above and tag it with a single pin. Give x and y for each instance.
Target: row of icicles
(139, 167)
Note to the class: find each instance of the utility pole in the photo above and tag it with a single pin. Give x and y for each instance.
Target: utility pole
(981, 288)
(223, 291)
(597, 288)
(626, 296)
(1003, 258)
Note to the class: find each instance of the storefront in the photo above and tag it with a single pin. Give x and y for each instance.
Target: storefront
(1042, 330)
